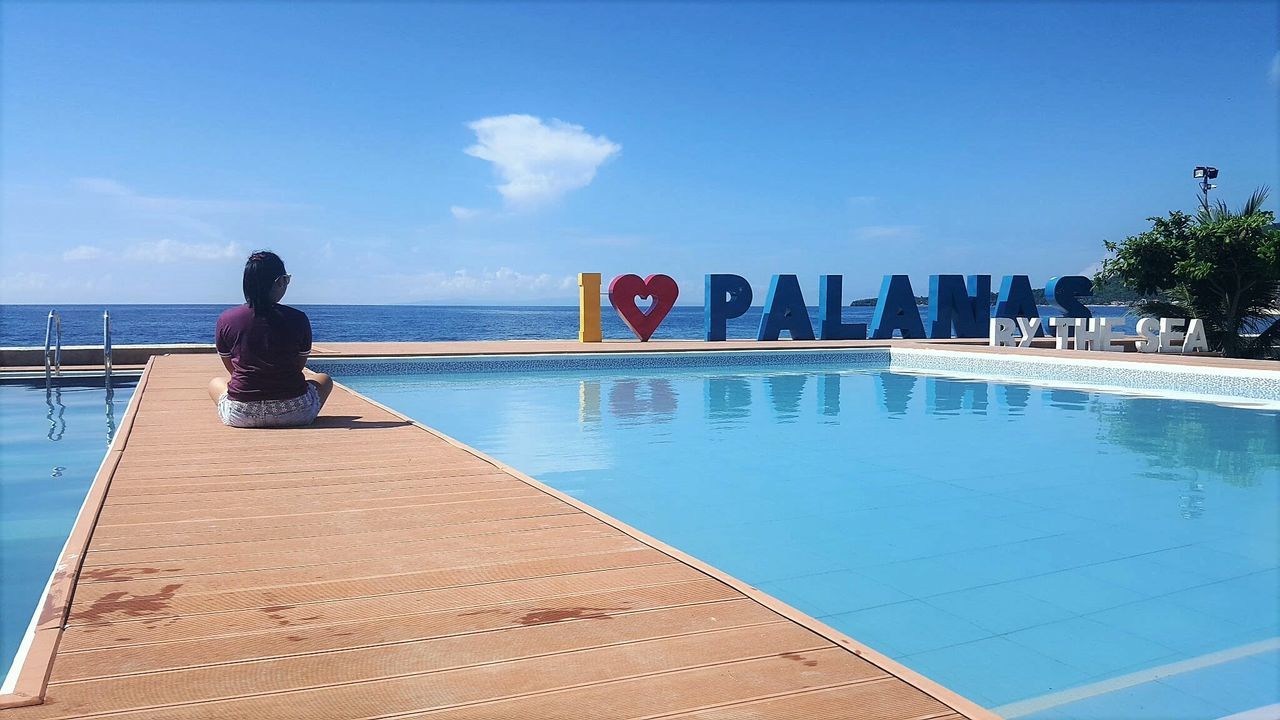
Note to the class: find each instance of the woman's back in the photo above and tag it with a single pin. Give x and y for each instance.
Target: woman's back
(267, 351)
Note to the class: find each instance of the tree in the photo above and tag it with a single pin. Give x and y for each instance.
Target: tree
(1220, 266)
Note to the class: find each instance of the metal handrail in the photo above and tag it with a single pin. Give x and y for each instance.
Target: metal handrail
(106, 346)
(53, 333)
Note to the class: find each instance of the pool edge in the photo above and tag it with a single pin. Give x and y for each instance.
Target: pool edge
(34, 666)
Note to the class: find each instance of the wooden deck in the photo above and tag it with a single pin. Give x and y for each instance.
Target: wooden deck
(369, 567)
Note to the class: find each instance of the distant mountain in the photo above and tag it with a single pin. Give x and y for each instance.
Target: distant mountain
(1103, 294)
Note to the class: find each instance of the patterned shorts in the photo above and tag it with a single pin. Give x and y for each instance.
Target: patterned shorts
(293, 412)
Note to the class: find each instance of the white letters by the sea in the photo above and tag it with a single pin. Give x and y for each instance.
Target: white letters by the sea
(1164, 335)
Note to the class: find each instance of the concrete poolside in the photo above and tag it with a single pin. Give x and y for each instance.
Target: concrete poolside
(369, 567)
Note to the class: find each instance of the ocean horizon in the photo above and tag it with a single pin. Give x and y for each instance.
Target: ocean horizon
(147, 324)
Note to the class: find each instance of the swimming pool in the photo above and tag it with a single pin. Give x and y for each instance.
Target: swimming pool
(1048, 552)
(52, 441)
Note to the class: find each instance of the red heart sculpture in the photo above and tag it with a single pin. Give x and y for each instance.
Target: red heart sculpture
(623, 292)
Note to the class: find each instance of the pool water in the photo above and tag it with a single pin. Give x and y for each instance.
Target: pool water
(1048, 553)
(51, 444)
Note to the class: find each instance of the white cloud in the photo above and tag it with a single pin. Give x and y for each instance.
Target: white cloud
(501, 284)
(461, 213)
(887, 232)
(539, 162)
(170, 204)
(179, 215)
(1274, 72)
(862, 200)
(24, 281)
(81, 253)
(168, 251)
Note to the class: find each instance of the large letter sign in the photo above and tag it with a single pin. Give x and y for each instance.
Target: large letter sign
(958, 306)
(1063, 291)
(589, 307)
(1016, 299)
(1196, 341)
(784, 309)
(951, 305)
(830, 303)
(728, 296)
(623, 292)
(896, 310)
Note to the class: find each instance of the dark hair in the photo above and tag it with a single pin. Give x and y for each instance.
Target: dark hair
(261, 272)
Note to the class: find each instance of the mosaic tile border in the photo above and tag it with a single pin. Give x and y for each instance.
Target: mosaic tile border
(599, 361)
(1114, 374)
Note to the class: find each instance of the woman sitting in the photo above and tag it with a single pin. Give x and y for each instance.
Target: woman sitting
(264, 345)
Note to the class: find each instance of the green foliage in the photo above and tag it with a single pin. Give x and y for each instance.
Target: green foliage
(1220, 266)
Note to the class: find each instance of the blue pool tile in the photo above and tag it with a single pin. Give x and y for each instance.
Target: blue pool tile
(1234, 686)
(1256, 547)
(773, 562)
(984, 506)
(999, 609)
(1170, 624)
(1144, 575)
(1054, 522)
(1074, 591)
(1014, 561)
(834, 593)
(1209, 563)
(1091, 647)
(932, 576)
(1002, 671)
(1149, 701)
(1002, 483)
(1071, 550)
(906, 628)
(1249, 597)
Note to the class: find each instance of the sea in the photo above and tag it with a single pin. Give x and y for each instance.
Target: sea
(24, 325)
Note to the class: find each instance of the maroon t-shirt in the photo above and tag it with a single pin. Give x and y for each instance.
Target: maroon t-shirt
(267, 351)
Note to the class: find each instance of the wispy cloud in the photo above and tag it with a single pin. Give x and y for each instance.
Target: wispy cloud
(162, 203)
(501, 284)
(22, 281)
(539, 162)
(170, 251)
(462, 213)
(887, 232)
(1274, 71)
(862, 200)
(201, 216)
(83, 253)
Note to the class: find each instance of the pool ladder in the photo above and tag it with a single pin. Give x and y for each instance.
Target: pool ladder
(53, 345)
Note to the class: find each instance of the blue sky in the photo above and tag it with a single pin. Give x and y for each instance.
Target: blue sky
(485, 153)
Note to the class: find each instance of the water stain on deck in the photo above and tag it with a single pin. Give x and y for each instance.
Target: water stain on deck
(797, 657)
(550, 615)
(273, 612)
(116, 574)
(123, 603)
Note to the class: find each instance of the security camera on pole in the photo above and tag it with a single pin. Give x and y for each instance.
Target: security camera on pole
(1204, 174)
